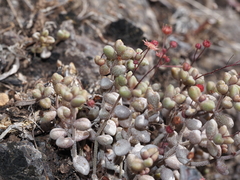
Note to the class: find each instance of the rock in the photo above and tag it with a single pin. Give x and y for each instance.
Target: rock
(21, 160)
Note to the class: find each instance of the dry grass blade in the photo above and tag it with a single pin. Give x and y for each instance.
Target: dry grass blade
(25, 102)
(12, 71)
(15, 13)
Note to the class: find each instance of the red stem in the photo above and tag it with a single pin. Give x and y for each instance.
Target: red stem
(141, 61)
(194, 57)
(234, 64)
(156, 65)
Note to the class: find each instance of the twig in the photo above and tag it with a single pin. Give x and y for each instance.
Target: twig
(34, 121)
(74, 147)
(84, 10)
(25, 102)
(28, 3)
(48, 10)
(15, 13)
(8, 28)
(171, 151)
(13, 70)
(13, 126)
(166, 3)
(98, 32)
(158, 138)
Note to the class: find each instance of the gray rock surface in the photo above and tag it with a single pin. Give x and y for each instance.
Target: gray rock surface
(22, 161)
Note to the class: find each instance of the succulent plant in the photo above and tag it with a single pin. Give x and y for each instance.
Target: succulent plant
(44, 43)
(145, 130)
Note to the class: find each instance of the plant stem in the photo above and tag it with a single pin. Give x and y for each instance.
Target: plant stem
(234, 64)
(74, 147)
(171, 151)
(141, 61)
(194, 58)
(155, 66)
(95, 150)
(159, 138)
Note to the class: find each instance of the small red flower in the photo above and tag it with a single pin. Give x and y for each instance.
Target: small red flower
(159, 54)
(169, 129)
(164, 50)
(201, 87)
(162, 53)
(186, 66)
(167, 30)
(173, 44)
(206, 43)
(91, 103)
(154, 42)
(135, 62)
(167, 59)
(151, 45)
(198, 46)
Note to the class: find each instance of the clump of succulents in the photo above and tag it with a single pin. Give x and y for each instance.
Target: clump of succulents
(138, 131)
(44, 43)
